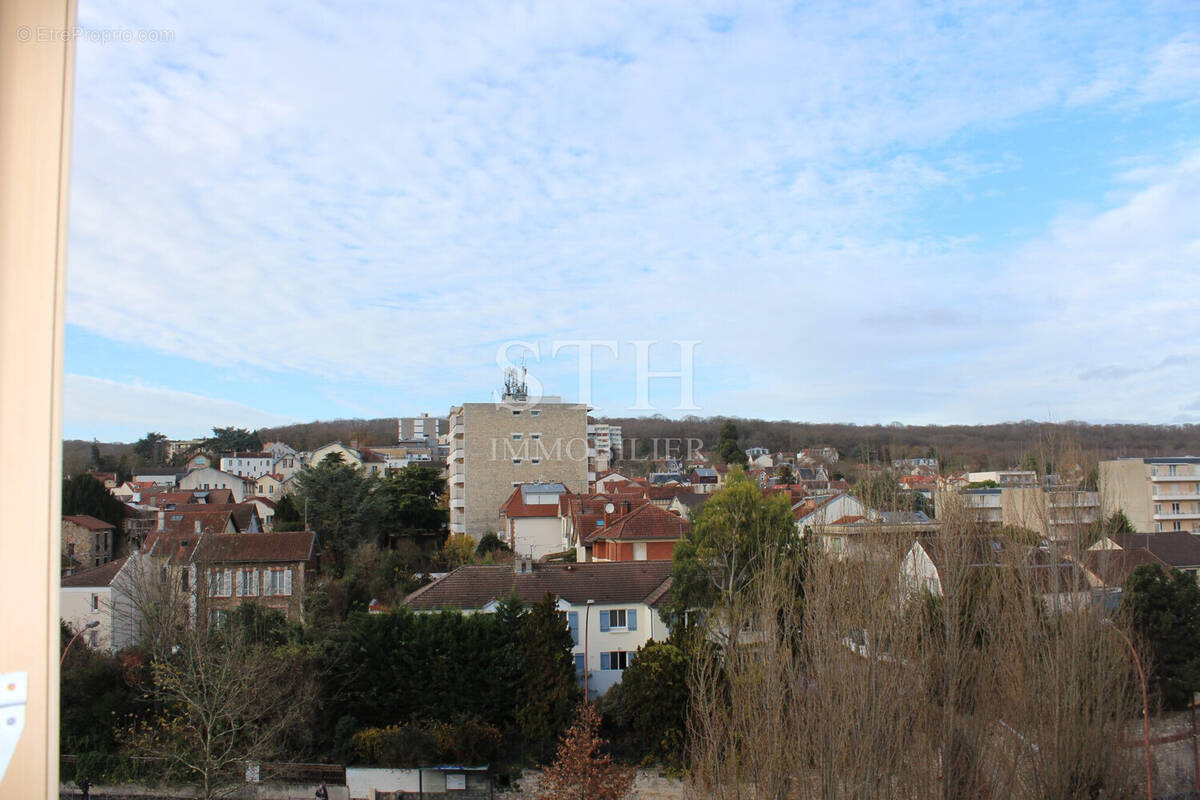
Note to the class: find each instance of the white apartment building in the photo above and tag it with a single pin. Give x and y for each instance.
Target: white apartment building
(1159, 495)
(248, 465)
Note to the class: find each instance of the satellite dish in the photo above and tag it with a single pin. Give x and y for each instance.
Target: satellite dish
(609, 508)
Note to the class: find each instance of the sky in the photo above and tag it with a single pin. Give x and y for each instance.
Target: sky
(914, 212)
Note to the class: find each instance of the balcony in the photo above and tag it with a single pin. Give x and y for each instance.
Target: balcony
(1187, 473)
(457, 429)
(458, 502)
(458, 454)
(1171, 497)
(1168, 516)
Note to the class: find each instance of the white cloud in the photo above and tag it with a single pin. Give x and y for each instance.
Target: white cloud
(94, 407)
(389, 195)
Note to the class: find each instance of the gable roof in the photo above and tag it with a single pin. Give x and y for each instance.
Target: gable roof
(102, 575)
(473, 587)
(644, 522)
(1177, 549)
(234, 548)
(89, 522)
(1113, 567)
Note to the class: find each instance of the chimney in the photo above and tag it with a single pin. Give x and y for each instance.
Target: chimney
(626, 506)
(162, 520)
(523, 565)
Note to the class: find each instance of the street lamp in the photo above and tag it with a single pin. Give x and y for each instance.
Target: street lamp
(93, 624)
(587, 614)
(1145, 704)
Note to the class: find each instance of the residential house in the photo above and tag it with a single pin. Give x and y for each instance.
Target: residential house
(687, 504)
(158, 477)
(814, 512)
(606, 481)
(101, 594)
(271, 569)
(611, 609)
(1179, 550)
(704, 480)
(530, 519)
(206, 478)
(269, 486)
(1062, 584)
(359, 457)
(87, 541)
(647, 533)
(266, 511)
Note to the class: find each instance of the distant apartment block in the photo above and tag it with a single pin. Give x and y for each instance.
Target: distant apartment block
(606, 439)
(248, 465)
(424, 427)
(1005, 478)
(1159, 495)
(1058, 514)
(495, 447)
(179, 446)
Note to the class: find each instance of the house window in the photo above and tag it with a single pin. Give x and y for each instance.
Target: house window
(579, 663)
(516, 437)
(246, 583)
(535, 461)
(618, 619)
(516, 413)
(220, 583)
(573, 626)
(516, 461)
(216, 617)
(92, 639)
(616, 659)
(1176, 526)
(535, 413)
(535, 436)
(95, 602)
(277, 581)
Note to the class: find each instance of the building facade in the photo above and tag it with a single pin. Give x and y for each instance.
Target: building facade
(610, 609)
(1159, 495)
(495, 447)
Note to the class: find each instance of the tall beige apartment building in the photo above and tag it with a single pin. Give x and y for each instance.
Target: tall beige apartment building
(497, 446)
(1159, 495)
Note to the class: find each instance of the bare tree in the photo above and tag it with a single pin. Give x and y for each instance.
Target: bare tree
(225, 702)
(967, 677)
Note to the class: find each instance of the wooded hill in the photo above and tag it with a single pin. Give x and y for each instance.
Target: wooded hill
(993, 446)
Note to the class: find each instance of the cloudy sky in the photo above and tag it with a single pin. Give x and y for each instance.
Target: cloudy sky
(912, 212)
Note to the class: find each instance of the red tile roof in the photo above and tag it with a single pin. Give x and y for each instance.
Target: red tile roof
(474, 587)
(645, 522)
(91, 523)
(515, 506)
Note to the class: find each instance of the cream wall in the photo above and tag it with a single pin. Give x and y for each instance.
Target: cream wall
(36, 88)
(537, 536)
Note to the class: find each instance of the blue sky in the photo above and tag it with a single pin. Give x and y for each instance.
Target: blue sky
(915, 212)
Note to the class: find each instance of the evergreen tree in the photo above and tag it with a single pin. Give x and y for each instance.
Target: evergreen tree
(1165, 612)
(548, 689)
(83, 494)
